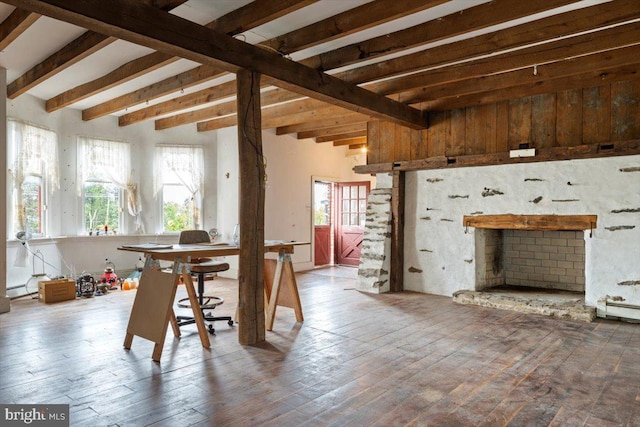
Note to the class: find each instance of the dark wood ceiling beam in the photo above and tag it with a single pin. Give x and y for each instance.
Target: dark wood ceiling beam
(313, 125)
(350, 21)
(589, 18)
(80, 48)
(124, 73)
(186, 101)
(448, 26)
(175, 83)
(350, 141)
(166, 4)
(175, 36)
(273, 118)
(584, 44)
(600, 61)
(483, 15)
(230, 107)
(241, 19)
(336, 130)
(587, 79)
(346, 135)
(357, 19)
(14, 25)
(256, 13)
(475, 18)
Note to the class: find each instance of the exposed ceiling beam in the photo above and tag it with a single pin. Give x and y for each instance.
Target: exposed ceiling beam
(528, 33)
(591, 78)
(319, 32)
(14, 25)
(172, 35)
(601, 61)
(175, 83)
(541, 30)
(474, 18)
(350, 141)
(357, 19)
(451, 25)
(80, 48)
(336, 130)
(256, 13)
(346, 135)
(231, 107)
(124, 73)
(272, 118)
(344, 119)
(584, 44)
(242, 19)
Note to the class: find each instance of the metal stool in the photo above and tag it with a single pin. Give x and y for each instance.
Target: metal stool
(205, 302)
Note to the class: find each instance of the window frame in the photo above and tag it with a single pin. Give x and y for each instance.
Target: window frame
(162, 182)
(43, 146)
(114, 149)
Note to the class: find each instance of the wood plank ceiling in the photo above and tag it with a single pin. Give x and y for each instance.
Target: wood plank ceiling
(323, 77)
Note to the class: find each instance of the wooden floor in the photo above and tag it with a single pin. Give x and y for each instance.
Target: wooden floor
(357, 360)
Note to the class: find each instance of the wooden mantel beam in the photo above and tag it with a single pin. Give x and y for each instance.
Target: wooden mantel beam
(531, 222)
(170, 34)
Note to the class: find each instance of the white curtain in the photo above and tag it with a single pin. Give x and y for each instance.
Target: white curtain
(34, 151)
(110, 161)
(184, 163)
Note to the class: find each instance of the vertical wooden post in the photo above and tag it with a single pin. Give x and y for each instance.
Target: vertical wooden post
(396, 280)
(4, 300)
(251, 328)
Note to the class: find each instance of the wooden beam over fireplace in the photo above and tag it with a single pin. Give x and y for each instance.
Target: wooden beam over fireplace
(531, 222)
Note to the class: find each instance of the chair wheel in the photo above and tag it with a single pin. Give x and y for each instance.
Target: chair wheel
(211, 330)
(230, 322)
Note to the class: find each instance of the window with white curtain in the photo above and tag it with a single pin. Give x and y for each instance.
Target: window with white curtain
(33, 166)
(104, 179)
(179, 186)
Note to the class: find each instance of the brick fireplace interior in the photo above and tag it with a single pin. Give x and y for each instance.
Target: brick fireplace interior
(532, 258)
(529, 253)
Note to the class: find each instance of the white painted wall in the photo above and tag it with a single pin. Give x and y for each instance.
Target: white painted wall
(444, 254)
(64, 214)
(292, 165)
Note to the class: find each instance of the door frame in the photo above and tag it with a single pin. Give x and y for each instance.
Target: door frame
(334, 181)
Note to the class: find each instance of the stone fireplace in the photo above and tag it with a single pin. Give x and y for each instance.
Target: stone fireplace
(539, 251)
(533, 258)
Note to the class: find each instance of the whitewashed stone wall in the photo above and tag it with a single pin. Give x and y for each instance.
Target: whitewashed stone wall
(440, 256)
(373, 273)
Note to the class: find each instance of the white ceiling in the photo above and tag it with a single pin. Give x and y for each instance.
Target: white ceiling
(47, 36)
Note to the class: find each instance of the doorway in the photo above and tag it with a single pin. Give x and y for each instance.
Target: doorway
(339, 211)
(323, 220)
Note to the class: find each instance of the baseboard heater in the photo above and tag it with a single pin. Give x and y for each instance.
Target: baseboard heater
(609, 308)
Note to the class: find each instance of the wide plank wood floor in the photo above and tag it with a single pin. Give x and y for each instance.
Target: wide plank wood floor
(403, 359)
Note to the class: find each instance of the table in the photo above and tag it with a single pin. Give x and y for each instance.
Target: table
(152, 310)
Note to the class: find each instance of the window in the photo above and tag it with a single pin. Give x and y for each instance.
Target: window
(103, 176)
(33, 156)
(179, 185)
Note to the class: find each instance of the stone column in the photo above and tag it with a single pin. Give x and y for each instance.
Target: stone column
(373, 274)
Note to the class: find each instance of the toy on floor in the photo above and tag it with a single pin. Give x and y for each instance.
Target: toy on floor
(109, 279)
(85, 285)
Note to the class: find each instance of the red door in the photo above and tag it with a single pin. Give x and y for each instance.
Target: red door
(322, 223)
(322, 245)
(352, 206)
